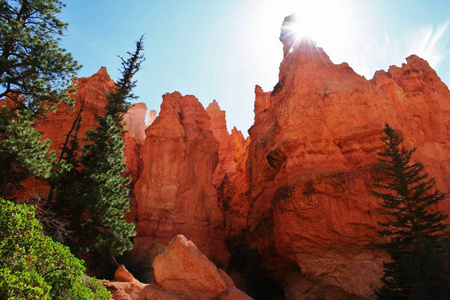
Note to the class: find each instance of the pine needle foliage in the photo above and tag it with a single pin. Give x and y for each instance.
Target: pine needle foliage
(35, 75)
(413, 228)
(32, 63)
(22, 154)
(103, 190)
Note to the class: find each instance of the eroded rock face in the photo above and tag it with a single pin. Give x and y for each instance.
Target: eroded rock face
(183, 269)
(182, 272)
(90, 101)
(134, 138)
(123, 275)
(175, 193)
(220, 132)
(229, 175)
(150, 117)
(311, 156)
(91, 97)
(233, 190)
(139, 291)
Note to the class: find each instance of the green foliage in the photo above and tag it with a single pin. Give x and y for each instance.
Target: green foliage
(33, 266)
(104, 191)
(22, 154)
(411, 231)
(32, 64)
(117, 104)
(65, 185)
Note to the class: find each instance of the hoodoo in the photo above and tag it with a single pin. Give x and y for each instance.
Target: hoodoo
(175, 193)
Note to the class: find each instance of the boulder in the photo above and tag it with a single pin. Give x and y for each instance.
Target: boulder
(123, 275)
(183, 269)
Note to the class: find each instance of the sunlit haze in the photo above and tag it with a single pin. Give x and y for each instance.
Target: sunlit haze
(221, 49)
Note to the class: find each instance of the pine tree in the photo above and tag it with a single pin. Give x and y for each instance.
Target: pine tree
(22, 154)
(104, 232)
(411, 230)
(65, 184)
(35, 73)
(32, 64)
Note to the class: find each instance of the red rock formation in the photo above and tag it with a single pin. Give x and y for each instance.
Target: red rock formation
(233, 189)
(134, 138)
(310, 163)
(219, 129)
(124, 290)
(139, 291)
(183, 269)
(182, 272)
(232, 146)
(297, 191)
(175, 193)
(123, 275)
(262, 103)
(229, 176)
(154, 292)
(90, 96)
(151, 117)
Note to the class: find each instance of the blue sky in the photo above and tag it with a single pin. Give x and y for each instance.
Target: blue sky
(220, 49)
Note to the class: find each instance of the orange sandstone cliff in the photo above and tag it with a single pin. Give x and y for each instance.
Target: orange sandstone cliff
(175, 193)
(312, 219)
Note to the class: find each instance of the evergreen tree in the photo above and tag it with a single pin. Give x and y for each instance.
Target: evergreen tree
(65, 185)
(32, 64)
(103, 231)
(34, 73)
(22, 154)
(412, 230)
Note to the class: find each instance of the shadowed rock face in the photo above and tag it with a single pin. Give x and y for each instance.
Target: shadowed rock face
(310, 163)
(175, 193)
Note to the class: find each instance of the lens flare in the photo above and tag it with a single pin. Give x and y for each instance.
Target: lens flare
(329, 23)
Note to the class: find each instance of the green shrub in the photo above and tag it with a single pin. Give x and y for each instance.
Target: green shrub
(33, 266)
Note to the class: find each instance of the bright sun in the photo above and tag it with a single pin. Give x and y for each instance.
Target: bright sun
(327, 22)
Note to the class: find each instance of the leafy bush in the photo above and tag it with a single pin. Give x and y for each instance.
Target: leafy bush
(33, 266)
